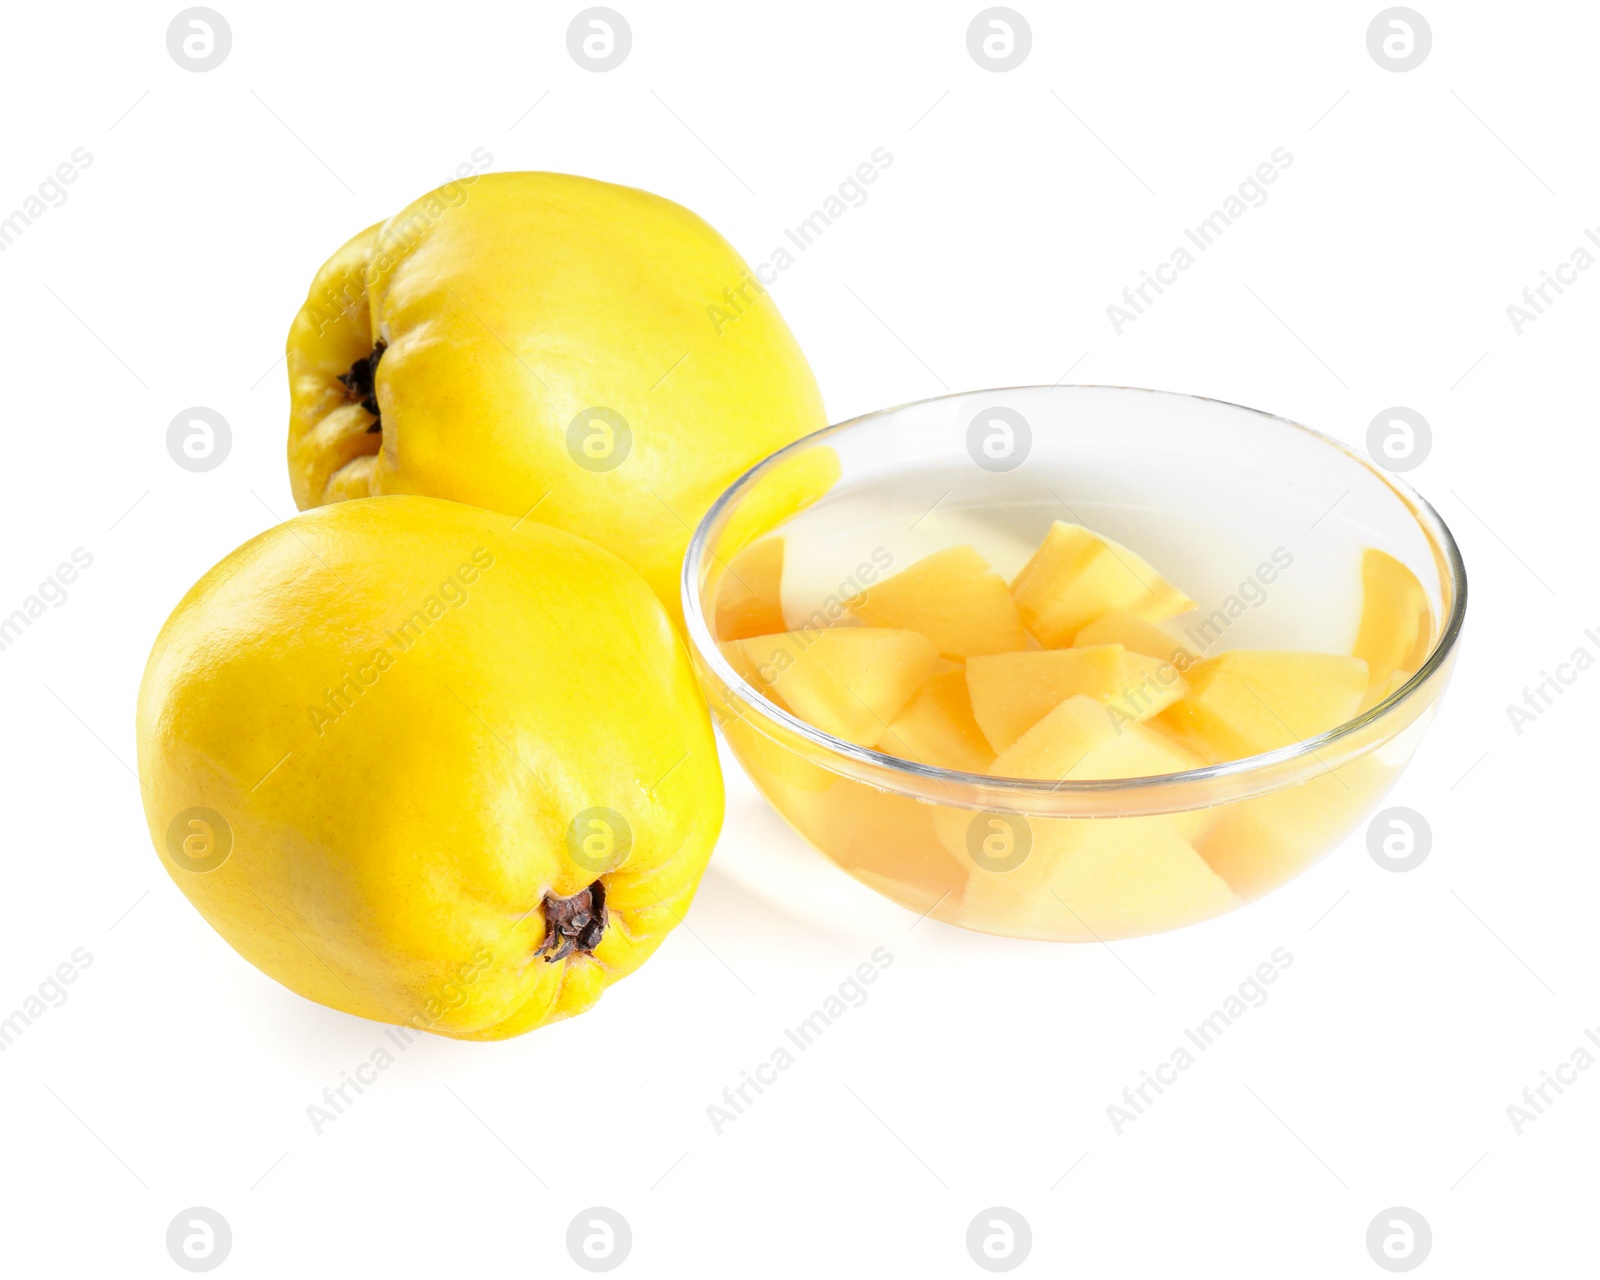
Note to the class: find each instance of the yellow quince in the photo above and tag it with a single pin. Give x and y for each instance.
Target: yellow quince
(584, 355)
(428, 764)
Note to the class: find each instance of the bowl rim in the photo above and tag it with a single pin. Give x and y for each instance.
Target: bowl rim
(705, 649)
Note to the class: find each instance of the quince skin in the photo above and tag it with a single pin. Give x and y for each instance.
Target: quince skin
(587, 355)
(429, 766)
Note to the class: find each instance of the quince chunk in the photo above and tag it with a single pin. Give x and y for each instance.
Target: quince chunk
(937, 727)
(1396, 619)
(1098, 879)
(749, 597)
(1153, 685)
(1259, 843)
(954, 598)
(1083, 738)
(1136, 635)
(1058, 743)
(847, 681)
(1011, 692)
(1247, 701)
(1076, 576)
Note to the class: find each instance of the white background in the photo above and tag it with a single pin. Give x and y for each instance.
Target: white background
(1019, 204)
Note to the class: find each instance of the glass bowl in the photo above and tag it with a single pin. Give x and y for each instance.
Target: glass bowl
(1262, 521)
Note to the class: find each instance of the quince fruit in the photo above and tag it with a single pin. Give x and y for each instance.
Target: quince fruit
(586, 355)
(429, 765)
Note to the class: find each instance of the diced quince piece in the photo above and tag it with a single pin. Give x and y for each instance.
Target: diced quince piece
(884, 839)
(1138, 751)
(1153, 685)
(1136, 635)
(1097, 879)
(789, 780)
(733, 651)
(894, 851)
(1396, 619)
(954, 598)
(1083, 739)
(1247, 701)
(1076, 576)
(1258, 844)
(847, 681)
(749, 597)
(1011, 692)
(1059, 742)
(937, 727)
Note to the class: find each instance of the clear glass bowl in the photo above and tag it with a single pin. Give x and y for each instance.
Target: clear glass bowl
(1260, 520)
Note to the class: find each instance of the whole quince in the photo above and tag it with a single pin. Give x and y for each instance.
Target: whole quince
(586, 355)
(429, 765)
